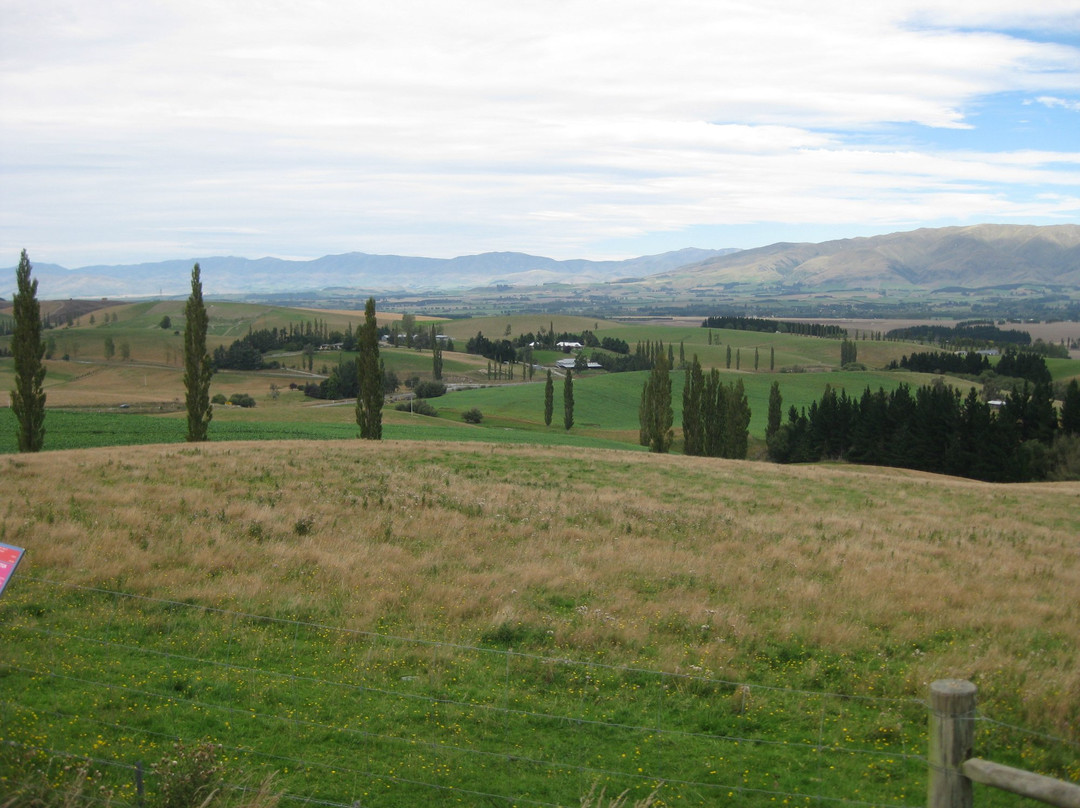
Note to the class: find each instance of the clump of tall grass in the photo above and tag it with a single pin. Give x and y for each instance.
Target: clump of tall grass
(188, 776)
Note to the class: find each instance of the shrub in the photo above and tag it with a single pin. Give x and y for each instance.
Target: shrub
(241, 400)
(427, 389)
(418, 407)
(219, 398)
(473, 416)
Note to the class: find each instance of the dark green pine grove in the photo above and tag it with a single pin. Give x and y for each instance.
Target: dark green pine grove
(935, 428)
(197, 366)
(28, 397)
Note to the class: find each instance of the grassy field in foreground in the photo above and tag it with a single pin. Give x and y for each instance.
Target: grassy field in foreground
(680, 577)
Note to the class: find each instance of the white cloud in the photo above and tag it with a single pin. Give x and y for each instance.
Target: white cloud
(1050, 101)
(473, 124)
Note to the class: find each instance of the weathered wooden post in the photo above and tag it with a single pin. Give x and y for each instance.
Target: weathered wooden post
(952, 736)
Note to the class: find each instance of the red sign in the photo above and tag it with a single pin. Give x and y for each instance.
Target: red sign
(9, 560)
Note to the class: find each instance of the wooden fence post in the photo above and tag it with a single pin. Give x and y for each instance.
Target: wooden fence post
(952, 736)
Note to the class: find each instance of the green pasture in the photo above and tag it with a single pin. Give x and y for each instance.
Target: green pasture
(606, 405)
(608, 402)
(382, 721)
(66, 429)
(1063, 369)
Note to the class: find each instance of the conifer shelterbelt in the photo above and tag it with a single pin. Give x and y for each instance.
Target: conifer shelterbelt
(369, 399)
(28, 397)
(197, 366)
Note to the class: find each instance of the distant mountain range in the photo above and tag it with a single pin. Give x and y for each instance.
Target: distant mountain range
(355, 272)
(975, 257)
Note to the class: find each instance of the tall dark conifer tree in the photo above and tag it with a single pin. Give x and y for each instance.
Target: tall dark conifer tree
(197, 367)
(28, 397)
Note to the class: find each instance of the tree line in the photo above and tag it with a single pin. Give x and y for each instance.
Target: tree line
(1013, 363)
(934, 429)
(974, 333)
(738, 323)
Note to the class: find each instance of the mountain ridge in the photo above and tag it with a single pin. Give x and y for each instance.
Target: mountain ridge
(232, 275)
(975, 256)
(927, 259)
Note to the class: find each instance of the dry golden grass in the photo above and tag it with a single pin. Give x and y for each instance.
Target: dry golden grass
(662, 561)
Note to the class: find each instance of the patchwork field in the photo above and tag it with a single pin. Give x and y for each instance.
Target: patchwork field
(149, 381)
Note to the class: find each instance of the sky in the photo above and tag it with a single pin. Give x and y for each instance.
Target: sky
(137, 130)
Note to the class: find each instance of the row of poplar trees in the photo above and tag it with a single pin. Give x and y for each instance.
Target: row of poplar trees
(28, 351)
(715, 416)
(198, 369)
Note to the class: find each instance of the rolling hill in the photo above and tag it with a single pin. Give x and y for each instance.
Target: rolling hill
(976, 257)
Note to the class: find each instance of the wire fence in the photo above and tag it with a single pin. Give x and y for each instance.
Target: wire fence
(346, 718)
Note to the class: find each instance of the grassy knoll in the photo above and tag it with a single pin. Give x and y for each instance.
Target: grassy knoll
(638, 593)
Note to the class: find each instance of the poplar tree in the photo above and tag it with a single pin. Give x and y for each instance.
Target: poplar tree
(28, 397)
(776, 403)
(568, 400)
(549, 399)
(737, 427)
(436, 356)
(655, 412)
(691, 412)
(197, 367)
(369, 398)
